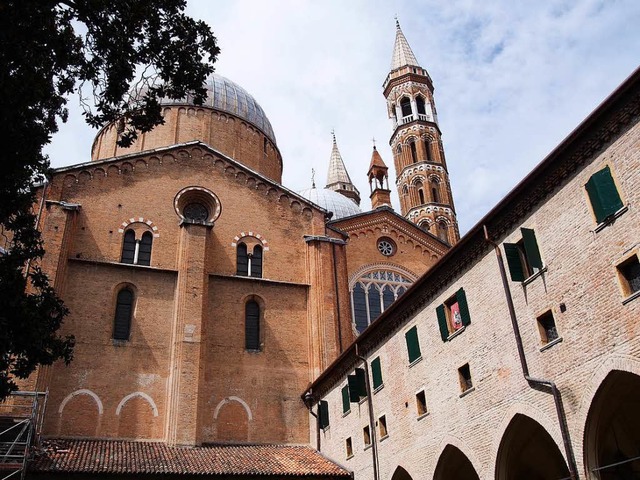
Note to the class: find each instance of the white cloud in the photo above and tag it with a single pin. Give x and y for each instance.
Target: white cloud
(512, 80)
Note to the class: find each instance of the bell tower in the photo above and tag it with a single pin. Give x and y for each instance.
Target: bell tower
(421, 170)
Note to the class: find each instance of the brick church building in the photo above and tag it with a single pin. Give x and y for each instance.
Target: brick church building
(230, 327)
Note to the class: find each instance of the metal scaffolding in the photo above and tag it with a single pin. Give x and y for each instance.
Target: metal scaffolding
(21, 416)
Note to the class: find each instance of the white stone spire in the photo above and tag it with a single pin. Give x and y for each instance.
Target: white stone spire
(338, 178)
(402, 53)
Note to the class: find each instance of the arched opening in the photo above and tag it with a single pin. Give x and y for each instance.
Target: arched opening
(401, 474)
(435, 190)
(420, 105)
(256, 262)
(612, 432)
(414, 152)
(528, 451)
(405, 107)
(122, 318)
(242, 260)
(427, 149)
(252, 325)
(128, 247)
(144, 249)
(454, 465)
(442, 231)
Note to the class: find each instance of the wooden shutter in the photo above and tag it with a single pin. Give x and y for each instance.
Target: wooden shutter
(512, 252)
(361, 375)
(442, 322)
(346, 403)
(376, 372)
(323, 414)
(603, 194)
(242, 260)
(122, 320)
(252, 326)
(461, 297)
(128, 247)
(354, 388)
(413, 346)
(531, 248)
(256, 262)
(144, 252)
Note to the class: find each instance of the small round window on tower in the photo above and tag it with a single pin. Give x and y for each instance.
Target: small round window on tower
(386, 247)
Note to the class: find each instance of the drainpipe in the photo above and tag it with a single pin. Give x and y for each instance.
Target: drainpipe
(573, 471)
(45, 184)
(372, 425)
(307, 398)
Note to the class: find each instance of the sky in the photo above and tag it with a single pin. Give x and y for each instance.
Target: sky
(512, 79)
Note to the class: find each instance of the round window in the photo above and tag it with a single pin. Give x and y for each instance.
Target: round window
(196, 212)
(386, 247)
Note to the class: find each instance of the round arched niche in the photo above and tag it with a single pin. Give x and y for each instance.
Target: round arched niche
(197, 205)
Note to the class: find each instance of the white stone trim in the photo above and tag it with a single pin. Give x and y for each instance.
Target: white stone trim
(82, 391)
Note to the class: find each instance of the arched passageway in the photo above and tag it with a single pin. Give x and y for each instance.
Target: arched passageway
(401, 474)
(527, 451)
(454, 465)
(612, 433)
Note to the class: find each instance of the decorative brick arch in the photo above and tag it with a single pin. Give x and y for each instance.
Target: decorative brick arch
(535, 414)
(224, 401)
(82, 391)
(463, 447)
(241, 235)
(149, 223)
(142, 395)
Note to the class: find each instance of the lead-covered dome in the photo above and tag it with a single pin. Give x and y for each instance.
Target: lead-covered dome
(228, 96)
(331, 201)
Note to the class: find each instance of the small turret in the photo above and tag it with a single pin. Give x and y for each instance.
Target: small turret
(378, 181)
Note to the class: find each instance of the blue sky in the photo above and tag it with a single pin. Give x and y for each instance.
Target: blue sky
(512, 79)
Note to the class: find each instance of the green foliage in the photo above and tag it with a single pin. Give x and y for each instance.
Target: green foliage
(129, 54)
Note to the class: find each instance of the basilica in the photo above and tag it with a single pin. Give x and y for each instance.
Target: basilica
(228, 326)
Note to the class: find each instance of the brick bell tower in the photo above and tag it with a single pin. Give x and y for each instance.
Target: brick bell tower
(421, 171)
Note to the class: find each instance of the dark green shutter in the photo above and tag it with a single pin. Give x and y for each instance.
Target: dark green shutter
(362, 382)
(464, 307)
(376, 372)
(512, 253)
(603, 194)
(531, 248)
(323, 414)
(354, 395)
(346, 404)
(442, 322)
(413, 347)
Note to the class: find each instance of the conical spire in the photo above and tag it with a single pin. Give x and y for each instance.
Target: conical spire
(376, 160)
(402, 53)
(337, 178)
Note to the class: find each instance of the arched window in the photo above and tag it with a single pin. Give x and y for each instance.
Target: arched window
(373, 293)
(435, 190)
(128, 247)
(242, 260)
(399, 150)
(405, 107)
(420, 105)
(256, 262)
(136, 252)
(252, 325)
(122, 319)
(414, 152)
(405, 190)
(427, 149)
(442, 231)
(419, 186)
(144, 250)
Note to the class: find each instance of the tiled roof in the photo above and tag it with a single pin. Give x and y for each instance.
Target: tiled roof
(119, 457)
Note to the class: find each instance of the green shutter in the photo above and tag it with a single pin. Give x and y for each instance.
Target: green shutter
(413, 347)
(361, 375)
(346, 404)
(464, 307)
(354, 395)
(323, 414)
(376, 372)
(603, 194)
(531, 248)
(513, 260)
(442, 322)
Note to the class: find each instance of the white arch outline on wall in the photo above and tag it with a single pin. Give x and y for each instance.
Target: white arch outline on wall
(535, 414)
(464, 448)
(82, 391)
(260, 238)
(149, 223)
(141, 395)
(224, 401)
(622, 363)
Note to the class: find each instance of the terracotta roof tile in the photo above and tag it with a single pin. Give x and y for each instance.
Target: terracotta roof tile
(118, 457)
